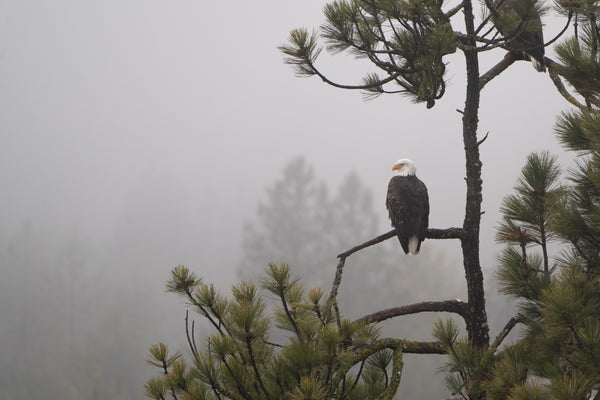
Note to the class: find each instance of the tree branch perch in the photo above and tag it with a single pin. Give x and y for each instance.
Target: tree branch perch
(449, 233)
(452, 306)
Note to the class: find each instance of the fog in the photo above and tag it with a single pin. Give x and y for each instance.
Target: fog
(141, 135)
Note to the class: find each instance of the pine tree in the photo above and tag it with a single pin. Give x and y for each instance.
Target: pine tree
(289, 225)
(325, 355)
(408, 43)
(558, 356)
(527, 213)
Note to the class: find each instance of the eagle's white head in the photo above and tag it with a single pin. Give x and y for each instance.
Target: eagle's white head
(404, 167)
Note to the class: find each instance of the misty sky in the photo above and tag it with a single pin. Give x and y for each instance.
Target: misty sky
(158, 124)
(188, 104)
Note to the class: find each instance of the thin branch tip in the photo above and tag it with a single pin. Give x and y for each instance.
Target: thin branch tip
(483, 139)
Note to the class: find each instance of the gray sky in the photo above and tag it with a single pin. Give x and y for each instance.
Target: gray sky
(101, 96)
(157, 125)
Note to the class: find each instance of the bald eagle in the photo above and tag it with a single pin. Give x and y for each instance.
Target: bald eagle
(408, 205)
(525, 40)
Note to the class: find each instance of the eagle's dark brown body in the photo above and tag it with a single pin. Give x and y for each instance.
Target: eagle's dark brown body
(408, 205)
(524, 40)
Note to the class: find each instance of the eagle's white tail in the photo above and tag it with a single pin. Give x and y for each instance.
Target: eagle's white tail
(413, 245)
(540, 67)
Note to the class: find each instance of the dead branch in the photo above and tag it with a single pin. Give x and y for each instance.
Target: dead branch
(407, 346)
(452, 306)
(507, 328)
(450, 233)
(497, 69)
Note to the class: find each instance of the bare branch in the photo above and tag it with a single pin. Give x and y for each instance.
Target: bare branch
(353, 87)
(504, 333)
(555, 38)
(452, 306)
(482, 140)
(332, 299)
(337, 280)
(497, 69)
(454, 10)
(287, 311)
(366, 244)
(204, 311)
(450, 233)
(407, 346)
(190, 338)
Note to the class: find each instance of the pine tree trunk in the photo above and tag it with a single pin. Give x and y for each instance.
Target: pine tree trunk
(476, 320)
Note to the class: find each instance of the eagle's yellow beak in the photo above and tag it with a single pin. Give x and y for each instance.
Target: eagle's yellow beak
(396, 166)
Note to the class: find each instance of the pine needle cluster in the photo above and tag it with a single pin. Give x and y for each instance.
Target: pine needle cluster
(558, 356)
(405, 39)
(302, 349)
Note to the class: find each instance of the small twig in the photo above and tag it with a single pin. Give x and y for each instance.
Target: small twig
(454, 10)
(204, 312)
(216, 392)
(366, 244)
(523, 264)
(555, 38)
(187, 334)
(483, 140)
(272, 344)
(354, 87)
(166, 371)
(249, 337)
(482, 25)
(504, 333)
(238, 384)
(362, 365)
(287, 311)
(194, 336)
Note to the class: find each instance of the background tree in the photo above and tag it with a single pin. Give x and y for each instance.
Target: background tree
(48, 336)
(290, 224)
